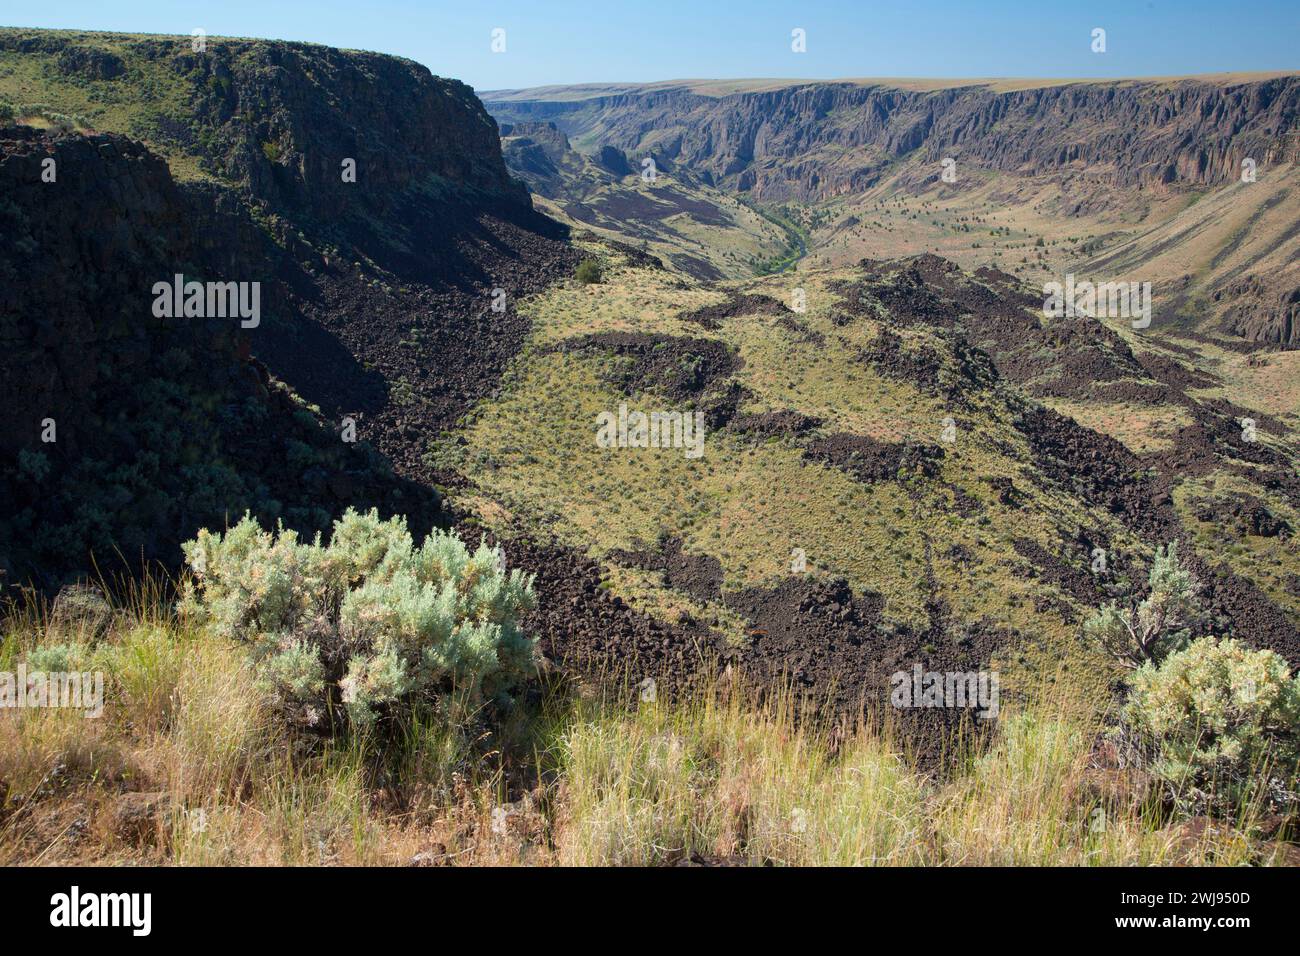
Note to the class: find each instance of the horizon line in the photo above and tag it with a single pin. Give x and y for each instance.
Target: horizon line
(1246, 75)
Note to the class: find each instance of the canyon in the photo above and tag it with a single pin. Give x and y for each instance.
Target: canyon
(1188, 183)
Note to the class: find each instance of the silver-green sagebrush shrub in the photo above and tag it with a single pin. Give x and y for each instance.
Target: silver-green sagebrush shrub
(1220, 723)
(1162, 622)
(370, 622)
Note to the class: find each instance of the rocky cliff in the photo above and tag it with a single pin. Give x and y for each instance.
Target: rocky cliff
(284, 118)
(375, 288)
(815, 140)
(125, 431)
(541, 155)
(1262, 311)
(279, 118)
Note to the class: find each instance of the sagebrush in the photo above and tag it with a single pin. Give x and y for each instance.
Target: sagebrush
(369, 623)
(1220, 723)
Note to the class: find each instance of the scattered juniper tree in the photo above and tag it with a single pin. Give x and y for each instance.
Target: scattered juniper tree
(589, 272)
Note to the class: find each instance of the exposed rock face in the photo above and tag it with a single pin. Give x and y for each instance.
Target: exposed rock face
(281, 118)
(85, 248)
(615, 160)
(541, 154)
(374, 294)
(545, 136)
(769, 143)
(1258, 310)
(159, 426)
(285, 116)
(93, 64)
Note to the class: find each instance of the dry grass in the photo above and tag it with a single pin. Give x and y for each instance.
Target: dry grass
(578, 779)
(720, 781)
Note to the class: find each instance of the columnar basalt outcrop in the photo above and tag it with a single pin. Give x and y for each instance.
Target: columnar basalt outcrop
(367, 200)
(770, 142)
(124, 430)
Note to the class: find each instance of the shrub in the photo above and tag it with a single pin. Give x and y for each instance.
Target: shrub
(369, 622)
(589, 272)
(1161, 623)
(61, 658)
(33, 465)
(1220, 723)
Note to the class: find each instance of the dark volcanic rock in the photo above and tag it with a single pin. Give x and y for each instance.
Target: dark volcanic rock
(614, 160)
(538, 152)
(1071, 577)
(677, 366)
(999, 321)
(90, 63)
(1099, 469)
(710, 316)
(285, 116)
(830, 647)
(1259, 310)
(785, 422)
(870, 460)
(699, 575)
(160, 425)
(582, 627)
(1246, 513)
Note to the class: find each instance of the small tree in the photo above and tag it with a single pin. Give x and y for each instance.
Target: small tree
(1161, 623)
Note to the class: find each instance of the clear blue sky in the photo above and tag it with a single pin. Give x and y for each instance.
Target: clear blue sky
(558, 41)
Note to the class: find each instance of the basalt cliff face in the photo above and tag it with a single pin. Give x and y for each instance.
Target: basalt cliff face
(125, 431)
(280, 118)
(1263, 311)
(541, 154)
(1149, 171)
(234, 165)
(776, 143)
(285, 118)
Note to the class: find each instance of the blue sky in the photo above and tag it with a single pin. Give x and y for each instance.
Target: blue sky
(558, 41)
